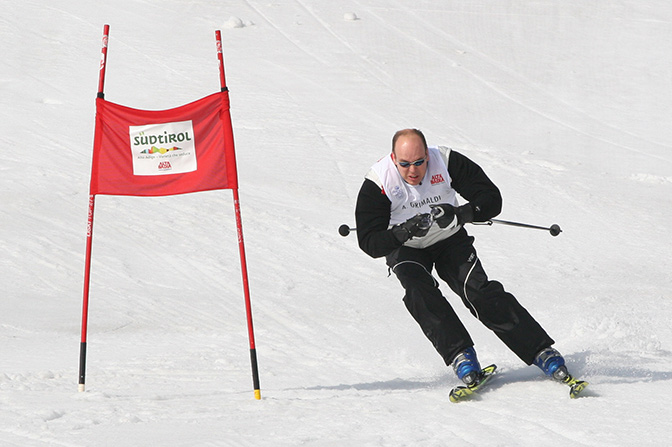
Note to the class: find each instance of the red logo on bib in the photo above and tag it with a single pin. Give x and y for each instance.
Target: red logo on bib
(438, 178)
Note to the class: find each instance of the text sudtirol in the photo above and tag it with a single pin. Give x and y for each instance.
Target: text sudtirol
(166, 138)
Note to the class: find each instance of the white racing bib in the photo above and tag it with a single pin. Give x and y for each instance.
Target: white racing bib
(409, 200)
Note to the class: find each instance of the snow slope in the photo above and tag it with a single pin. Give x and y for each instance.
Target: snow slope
(566, 105)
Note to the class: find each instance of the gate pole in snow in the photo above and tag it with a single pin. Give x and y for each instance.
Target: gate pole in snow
(89, 230)
(241, 243)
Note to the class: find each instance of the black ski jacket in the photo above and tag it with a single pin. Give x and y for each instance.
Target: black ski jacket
(372, 212)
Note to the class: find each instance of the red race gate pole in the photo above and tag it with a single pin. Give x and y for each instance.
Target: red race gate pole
(89, 231)
(241, 242)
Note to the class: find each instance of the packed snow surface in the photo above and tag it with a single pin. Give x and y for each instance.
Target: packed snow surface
(566, 105)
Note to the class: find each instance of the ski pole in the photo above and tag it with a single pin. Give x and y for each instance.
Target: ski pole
(553, 229)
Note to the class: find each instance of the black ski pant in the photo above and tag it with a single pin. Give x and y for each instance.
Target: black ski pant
(457, 264)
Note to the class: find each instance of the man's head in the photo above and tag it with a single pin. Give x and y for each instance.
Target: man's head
(409, 153)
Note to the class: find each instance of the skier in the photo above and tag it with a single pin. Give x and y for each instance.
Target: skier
(407, 211)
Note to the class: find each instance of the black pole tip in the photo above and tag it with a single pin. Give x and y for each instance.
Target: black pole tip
(555, 230)
(344, 230)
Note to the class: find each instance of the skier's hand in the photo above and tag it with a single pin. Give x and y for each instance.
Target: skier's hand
(416, 226)
(465, 213)
(446, 215)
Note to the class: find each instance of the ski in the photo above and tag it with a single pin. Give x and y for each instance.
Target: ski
(462, 392)
(575, 386)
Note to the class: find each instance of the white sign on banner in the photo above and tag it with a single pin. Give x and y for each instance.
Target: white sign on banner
(166, 148)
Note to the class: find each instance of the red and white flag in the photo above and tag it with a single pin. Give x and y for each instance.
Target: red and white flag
(165, 152)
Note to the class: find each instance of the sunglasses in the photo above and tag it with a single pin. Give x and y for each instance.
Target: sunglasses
(405, 164)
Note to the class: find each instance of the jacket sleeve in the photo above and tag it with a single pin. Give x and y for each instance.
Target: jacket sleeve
(372, 215)
(470, 181)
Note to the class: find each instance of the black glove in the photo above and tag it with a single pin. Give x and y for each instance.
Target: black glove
(416, 226)
(446, 215)
(465, 214)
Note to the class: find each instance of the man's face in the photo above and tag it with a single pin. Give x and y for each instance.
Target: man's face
(409, 149)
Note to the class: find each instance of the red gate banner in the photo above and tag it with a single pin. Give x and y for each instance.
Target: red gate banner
(165, 152)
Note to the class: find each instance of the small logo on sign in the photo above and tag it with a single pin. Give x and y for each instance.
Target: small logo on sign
(165, 166)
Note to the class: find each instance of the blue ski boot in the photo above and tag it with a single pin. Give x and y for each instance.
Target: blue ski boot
(552, 363)
(466, 366)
